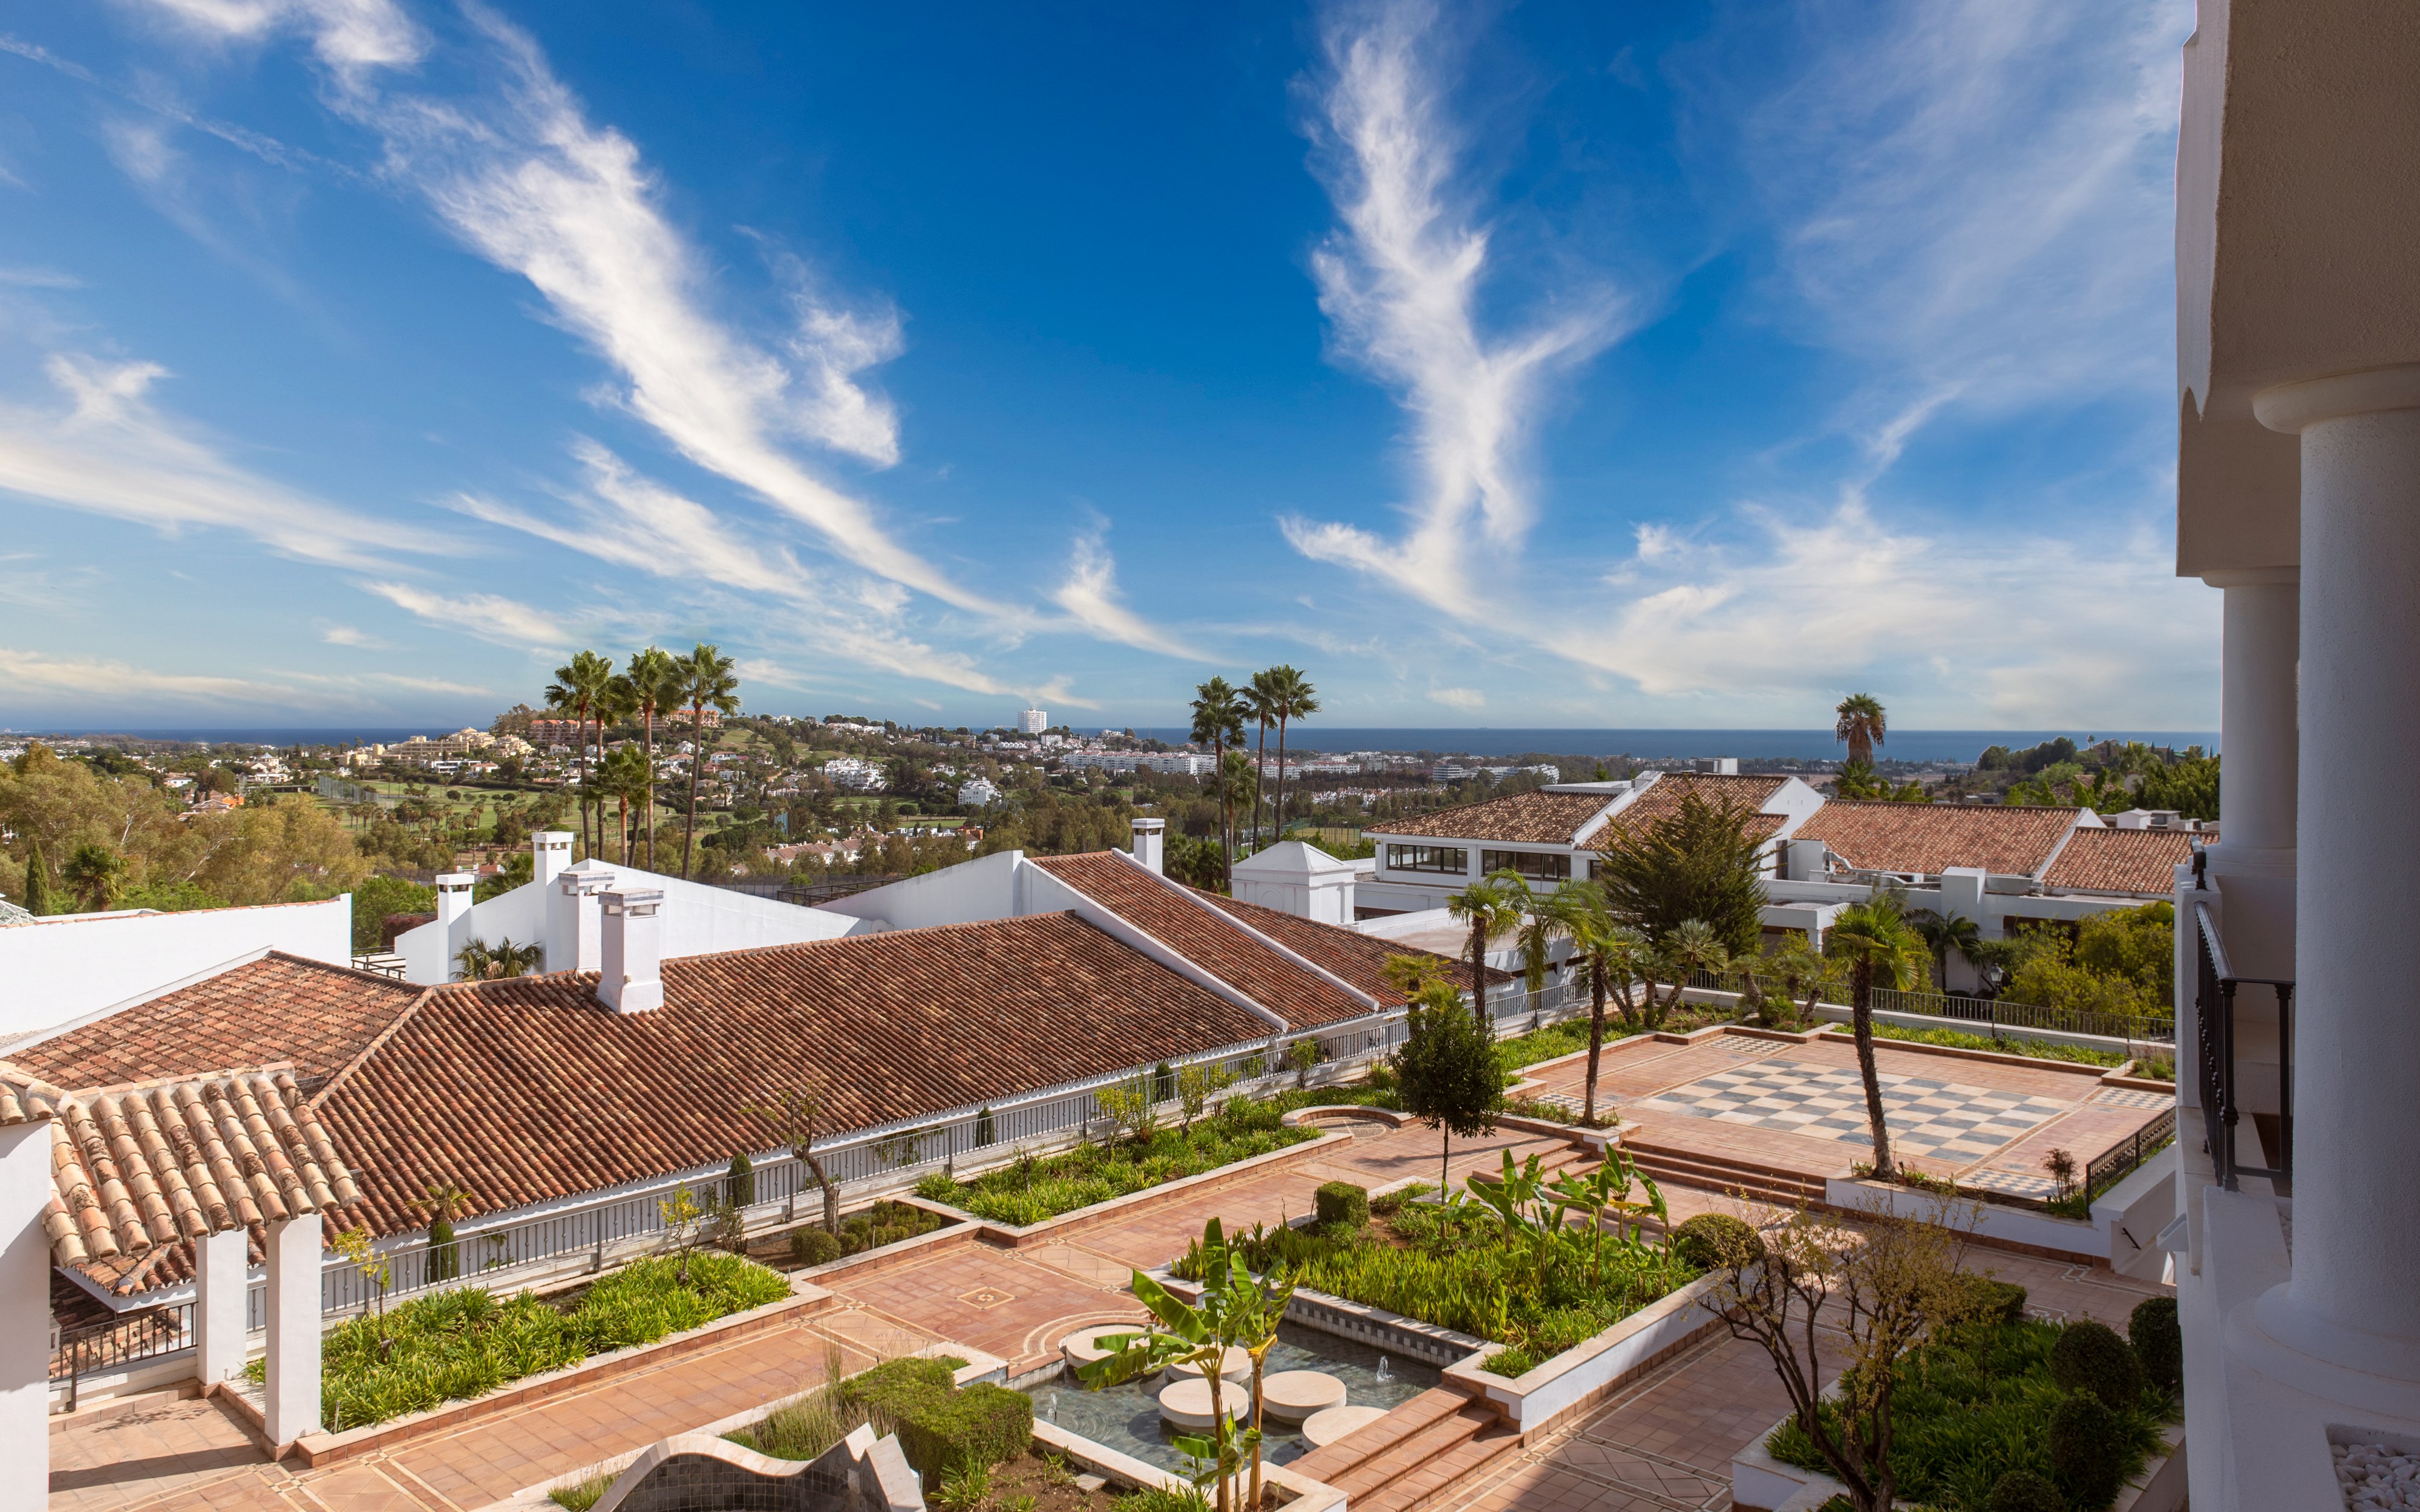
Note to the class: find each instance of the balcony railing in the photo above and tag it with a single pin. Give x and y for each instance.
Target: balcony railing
(2215, 1037)
(99, 1349)
(1996, 1015)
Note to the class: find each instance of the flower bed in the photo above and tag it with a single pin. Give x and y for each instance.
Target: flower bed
(455, 1345)
(1454, 1266)
(1031, 1190)
(1987, 1401)
(2009, 1044)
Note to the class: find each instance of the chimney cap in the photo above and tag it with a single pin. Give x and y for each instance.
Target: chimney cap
(640, 901)
(577, 883)
(450, 881)
(556, 838)
(1148, 826)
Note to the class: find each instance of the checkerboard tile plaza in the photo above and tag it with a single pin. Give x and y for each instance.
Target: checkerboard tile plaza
(1926, 1116)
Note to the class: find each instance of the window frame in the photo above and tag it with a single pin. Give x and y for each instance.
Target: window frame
(1461, 868)
(1544, 863)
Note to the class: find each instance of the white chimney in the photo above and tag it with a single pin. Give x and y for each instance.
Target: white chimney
(1148, 834)
(454, 917)
(631, 969)
(1807, 860)
(549, 852)
(573, 920)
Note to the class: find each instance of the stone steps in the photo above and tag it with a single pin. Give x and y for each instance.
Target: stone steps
(1724, 1173)
(1409, 1458)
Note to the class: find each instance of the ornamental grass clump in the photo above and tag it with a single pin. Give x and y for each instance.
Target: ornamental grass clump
(1028, 1191)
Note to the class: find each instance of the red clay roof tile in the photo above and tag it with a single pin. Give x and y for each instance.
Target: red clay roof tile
(1931, 838)
(2139, 861)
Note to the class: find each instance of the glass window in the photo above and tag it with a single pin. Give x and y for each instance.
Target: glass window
(1445, 859)
(1533, 864)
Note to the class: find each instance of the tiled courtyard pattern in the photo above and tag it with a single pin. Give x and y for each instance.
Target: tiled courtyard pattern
(1926, 1115)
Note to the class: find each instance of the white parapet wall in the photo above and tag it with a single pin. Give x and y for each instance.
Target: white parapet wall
(71, 969)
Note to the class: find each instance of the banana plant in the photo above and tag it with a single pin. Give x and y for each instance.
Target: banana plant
(1199, 1333)
(1516, 1200)
(1604, 1189)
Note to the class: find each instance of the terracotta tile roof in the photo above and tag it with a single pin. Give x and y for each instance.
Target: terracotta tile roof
(1662, 799)
(527, 1090)
(1522, 818)
(280, 1008)
(25, 1097)
(1161, 909)
(2140, 861)
(1359, 959)
(1930, 838)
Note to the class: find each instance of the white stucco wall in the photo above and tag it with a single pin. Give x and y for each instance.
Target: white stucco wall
(966, 893)
(697, 919)
(71, 966)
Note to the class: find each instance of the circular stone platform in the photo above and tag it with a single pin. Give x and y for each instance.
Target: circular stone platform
(1326, 1427)
(1291, 1395)
(1081, 1349)
(1237, 1366)
(1187, 1404)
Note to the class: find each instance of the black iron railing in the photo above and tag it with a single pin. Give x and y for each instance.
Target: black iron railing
(2110, 1167)
(99, 1347)
(2214, 1015)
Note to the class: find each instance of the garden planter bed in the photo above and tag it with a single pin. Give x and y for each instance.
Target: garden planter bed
(1050, 1230)
(1593, 1369)
(327, 1448)
(1761, 1483)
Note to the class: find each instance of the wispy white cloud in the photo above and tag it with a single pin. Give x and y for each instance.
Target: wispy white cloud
(1089, 596)
(1401, 281)
(488, 616)
(347, 34)
(89, 680)
(111, 452)
(347, 635)
(1465, 699)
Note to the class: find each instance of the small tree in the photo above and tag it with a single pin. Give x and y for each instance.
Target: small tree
(1196, 1085)
(1302, 1054)
(1449, 1074)
(739, 1186)
(1492, 910)
(1129, 1107)
(1882, 1292)
(354, 1246)
(793, 1116)
(442, 1201)
(38, 881)
(684, 1218)
(1873, 942)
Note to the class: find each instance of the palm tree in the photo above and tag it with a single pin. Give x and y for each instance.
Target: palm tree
(649, 686)
(706, 681)
(623, 776)
(1692, 948)
(1492, 911)
(1860, 725)
(482, 961)
(1612, 954)
(1943, 935)
(1294, 699)
(1219, 722)
(1873, 941)
(1260, 706)
(96, 873)
(579, 691)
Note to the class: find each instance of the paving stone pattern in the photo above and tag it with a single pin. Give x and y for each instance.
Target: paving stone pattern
(1927, 1116)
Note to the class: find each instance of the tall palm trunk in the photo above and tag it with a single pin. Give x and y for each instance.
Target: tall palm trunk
(624, 845)
(647, 815)
(591, 813)
(1281, 776)
(1226, 814)
(1479, 973)
(1861, 1019)
(1260, 781)
(1596, 1038)
(696, 759)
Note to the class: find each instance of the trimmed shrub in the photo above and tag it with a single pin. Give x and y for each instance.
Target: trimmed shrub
(1393, 1201)
(740, 1188)
(2092, 1357)
(2021, 1490)
(1995, 1302)
(987, 1128)
(445, 1256)
(2159, 1343)
(813, 1246)
(1342, 1203)
(942, 1429)
(1715, 1239)
(2087, 1451)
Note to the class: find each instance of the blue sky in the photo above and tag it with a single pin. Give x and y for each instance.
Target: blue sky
(1574, 365)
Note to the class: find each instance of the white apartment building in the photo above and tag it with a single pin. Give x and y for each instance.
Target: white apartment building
(1033, 722)
(854, 774)
(2297, 1244)
(978, 793)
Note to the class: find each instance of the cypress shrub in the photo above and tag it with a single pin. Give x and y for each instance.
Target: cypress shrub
(2087, 1451)
(813, 1246)
(444, 1255)
(2021, 1490)
(742, 1182)
(1341, 1202)
(2159, 1343)
(38, 881)
(1163, 1082)
(2092, 1357)
(1715, 1239)
(987, 1131)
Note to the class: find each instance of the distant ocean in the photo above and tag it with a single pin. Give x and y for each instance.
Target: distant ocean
(1676, 744)
(1641, 744)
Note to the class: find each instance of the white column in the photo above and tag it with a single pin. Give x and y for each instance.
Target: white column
(223, 1276)
(2354, 1302)
(455, 890)
(293, 1328)
(24, 1316)
(2257, 720)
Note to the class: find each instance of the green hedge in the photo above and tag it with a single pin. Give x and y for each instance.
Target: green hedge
(1342, 1202)
(942, 1428)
